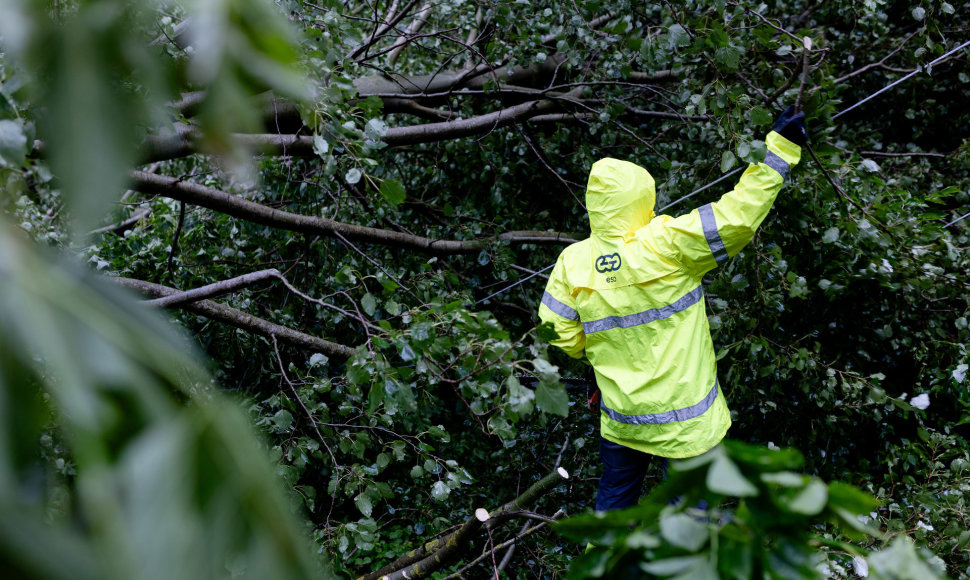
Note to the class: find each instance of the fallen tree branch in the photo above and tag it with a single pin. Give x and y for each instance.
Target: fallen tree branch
(390, 21)
(121, 227)
(914, 154)
(213, 290)
(450, 81)
(244, 209)
(510, 543)
(243, 320)
(184, 141)
(433, 555)
(416, 25)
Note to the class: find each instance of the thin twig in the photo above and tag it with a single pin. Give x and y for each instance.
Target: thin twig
(542, 159)
(350, 245)
(561, 451)
(313, 422)
(511, 551)
(460, 573)
(121, 227)
(842, 192)
(806, 47)
(175, 242)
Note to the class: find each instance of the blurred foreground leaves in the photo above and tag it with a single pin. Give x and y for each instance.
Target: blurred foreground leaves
(158, 477)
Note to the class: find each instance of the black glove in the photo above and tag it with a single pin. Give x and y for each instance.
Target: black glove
(792, 126)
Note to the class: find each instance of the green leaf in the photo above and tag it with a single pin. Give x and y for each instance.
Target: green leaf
(375, 129)
(552, 398)
(744, 149)
(353, 176)
(678, 36)
(763, 458)
(283, 420)
(320, 146)
(521, 399)
(393, 191)
(383, 460)
(728, 161)
(589, 565)
(683, 531)
(734, 557)
(851, 498)
(902, 560)
(369, 304)
(760, 116)
(363, 503)
(440, 491)
(546, 332)
(671, 566)
(546, 371)
(725, 478)
(729, 57)
(811, 500)
(13, 143)
(831, 235)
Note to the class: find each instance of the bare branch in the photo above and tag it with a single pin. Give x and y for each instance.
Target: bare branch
(123, 226)
(393, 105)
(313, 423)
(416, 25)
(174, 248)
(878, 64)
(185, 139)
(436, 553)
(526, 530)
(390, 21)
(256, 213)
(447, 82)
(213, 290)
(654, 77)
(806, 47)
(244, 321)
(885, 154)
(350, 245)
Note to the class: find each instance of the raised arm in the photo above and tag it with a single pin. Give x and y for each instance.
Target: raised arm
(712, 233)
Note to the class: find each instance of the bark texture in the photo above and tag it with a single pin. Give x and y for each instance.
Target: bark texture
(243, 320)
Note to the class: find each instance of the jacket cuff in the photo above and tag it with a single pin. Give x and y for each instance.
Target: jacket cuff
(783, 148)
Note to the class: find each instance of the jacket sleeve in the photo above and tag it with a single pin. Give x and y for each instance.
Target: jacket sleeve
(712, 233)
(559, 307)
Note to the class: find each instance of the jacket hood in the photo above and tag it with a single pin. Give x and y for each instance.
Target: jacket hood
(619, 197)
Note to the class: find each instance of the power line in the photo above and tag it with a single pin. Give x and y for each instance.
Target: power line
(696, 191)
(526, 279)
(961, 218)
(918, 70)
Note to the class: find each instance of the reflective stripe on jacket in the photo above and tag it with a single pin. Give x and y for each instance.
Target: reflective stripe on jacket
(630, 298)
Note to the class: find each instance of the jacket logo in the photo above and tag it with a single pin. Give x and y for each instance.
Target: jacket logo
(608, 263)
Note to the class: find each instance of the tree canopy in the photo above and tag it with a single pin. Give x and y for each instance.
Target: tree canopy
(348, 208)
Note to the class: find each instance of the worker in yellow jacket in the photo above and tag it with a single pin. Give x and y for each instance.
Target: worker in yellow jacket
(630, 299)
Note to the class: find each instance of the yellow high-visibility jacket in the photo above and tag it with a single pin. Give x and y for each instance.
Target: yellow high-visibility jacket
(630, 298)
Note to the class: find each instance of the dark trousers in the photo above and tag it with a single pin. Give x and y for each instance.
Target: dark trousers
(622, 481)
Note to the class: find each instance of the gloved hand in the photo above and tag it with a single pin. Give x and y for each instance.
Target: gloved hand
(791, 126)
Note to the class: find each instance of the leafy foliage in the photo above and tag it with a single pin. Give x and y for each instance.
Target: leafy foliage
(753, 517)
(842, 329)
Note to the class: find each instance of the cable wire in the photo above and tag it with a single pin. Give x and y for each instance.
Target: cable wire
(918, 70)
(526, 279)
(961, 218)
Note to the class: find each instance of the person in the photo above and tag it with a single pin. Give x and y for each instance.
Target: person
(630, 299)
